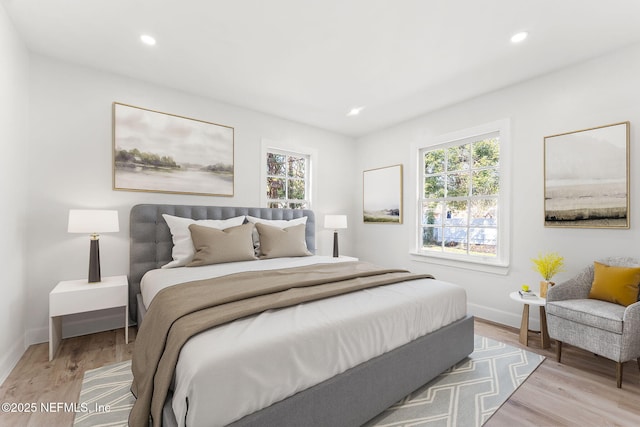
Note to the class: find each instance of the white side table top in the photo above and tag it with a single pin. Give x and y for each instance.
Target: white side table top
(341, 258)
(531, 301)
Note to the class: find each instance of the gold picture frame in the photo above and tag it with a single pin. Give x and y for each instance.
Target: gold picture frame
(586, 178)
(382, 195)
(166, 153)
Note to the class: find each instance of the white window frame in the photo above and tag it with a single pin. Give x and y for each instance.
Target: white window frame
(288, 149)
(500, 262)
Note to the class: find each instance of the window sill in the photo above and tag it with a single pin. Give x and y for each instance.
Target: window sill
(484, 266)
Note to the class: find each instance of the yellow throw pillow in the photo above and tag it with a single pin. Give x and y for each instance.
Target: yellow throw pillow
(615, 284)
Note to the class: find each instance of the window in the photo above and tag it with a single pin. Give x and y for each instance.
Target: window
(287, 180)
(462, 190)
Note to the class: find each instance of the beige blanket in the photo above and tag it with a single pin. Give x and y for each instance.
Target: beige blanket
(179, 312)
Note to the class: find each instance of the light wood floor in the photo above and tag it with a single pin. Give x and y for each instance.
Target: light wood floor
(36, 380)
(579, 392)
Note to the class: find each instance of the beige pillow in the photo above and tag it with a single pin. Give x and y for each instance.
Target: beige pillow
(276, 242)
(183, 251)
(280, 223)
(215, 246)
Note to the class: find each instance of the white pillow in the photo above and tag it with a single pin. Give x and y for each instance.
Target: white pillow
(280, 223)
(183, 250)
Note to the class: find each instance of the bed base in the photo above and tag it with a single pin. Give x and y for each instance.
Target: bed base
(360, 393)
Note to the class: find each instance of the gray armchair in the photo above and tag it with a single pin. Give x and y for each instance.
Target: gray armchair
(606, 329)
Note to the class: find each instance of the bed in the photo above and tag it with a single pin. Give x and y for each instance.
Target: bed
(349, 397)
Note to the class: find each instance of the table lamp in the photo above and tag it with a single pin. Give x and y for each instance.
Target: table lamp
(335, 222)
(93, 222)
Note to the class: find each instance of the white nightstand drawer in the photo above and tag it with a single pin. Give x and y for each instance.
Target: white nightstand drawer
(79, 296)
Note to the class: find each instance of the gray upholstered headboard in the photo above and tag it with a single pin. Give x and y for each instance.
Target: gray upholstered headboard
(151, 242)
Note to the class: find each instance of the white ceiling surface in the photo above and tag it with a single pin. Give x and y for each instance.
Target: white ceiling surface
(312, 60)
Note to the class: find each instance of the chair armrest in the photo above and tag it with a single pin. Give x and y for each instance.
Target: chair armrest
(632, 315)
(577, 287)
(631, 332)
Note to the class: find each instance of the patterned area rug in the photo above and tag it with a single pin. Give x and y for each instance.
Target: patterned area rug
(105, 395)
(468, 393)
(465, 395)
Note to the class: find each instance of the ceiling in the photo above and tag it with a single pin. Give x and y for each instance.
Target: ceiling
(313, 60)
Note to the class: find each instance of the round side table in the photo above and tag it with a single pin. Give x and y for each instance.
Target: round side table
(524, 325)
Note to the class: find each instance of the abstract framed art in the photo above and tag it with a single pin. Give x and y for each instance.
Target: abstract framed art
(586, 178)
(382, 195)
(166, 153)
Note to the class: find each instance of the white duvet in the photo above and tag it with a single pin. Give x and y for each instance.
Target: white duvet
(236, 369)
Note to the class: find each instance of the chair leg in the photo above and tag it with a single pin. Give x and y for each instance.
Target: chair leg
(559, 352)
(619, 374)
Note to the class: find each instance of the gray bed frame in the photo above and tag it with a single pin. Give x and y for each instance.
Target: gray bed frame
(349, 399)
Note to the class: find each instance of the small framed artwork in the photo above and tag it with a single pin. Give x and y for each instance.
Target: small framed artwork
(166, 153)
(586, 178)
(382, 195)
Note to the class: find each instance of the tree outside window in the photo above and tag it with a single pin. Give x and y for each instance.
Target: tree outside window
(459, 202)
(287, 180)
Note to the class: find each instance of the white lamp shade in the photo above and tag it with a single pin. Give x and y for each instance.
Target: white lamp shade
(335, 221)
(93, 221)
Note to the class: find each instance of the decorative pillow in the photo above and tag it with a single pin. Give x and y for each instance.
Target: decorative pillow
(615, 284)
(276, 242)
(215, 246)
(280, 223)
(183, 251)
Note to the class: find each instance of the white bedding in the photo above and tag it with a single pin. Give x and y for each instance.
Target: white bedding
(241, 367)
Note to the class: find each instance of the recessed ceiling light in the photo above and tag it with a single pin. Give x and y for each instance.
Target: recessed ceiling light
(147, 39)
(355, 111)
(518, 37)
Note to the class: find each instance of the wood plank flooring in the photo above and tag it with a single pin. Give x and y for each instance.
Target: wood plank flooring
(36, 380)
(579, 392)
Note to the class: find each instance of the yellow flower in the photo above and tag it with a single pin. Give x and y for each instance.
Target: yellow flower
(548, 265)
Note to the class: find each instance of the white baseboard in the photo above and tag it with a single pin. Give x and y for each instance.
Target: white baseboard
(504, 317)
(10, 359)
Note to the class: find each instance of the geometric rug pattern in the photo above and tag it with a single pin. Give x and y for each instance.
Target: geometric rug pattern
(468, 393)
(465, 395)
(105, 392)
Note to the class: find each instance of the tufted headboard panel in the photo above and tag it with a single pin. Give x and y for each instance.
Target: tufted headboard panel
(150, 238)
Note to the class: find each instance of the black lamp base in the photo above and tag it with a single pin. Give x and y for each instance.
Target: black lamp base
(94, 261)
(335, 244)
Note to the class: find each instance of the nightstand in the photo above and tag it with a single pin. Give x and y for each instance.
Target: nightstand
(79, 296)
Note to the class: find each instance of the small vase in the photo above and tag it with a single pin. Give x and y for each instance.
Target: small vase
(544, 287)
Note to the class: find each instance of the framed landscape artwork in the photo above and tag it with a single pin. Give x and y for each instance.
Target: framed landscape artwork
(586, 178)
(160, 152)
(382, 195)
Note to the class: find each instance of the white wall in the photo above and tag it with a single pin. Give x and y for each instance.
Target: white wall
(71, 167)
(598, 92)
(14, 95)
